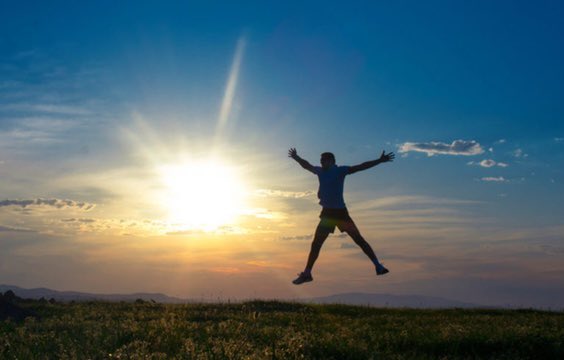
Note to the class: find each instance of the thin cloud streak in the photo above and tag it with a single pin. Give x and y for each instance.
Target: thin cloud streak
(457, 147)
(45, 108)
(283, 194)
(297, 237)
(494, 179)
(4, 228)
(230, 88)
(410, 200)
(27, 131)
(488, 163)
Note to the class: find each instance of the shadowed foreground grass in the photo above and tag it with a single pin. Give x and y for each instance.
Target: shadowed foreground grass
(268, 330)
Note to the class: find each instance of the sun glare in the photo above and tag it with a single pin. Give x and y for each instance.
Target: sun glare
(203, 195)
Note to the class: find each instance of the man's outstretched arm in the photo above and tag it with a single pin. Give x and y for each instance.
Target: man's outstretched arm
(304, 163)
(367, 165)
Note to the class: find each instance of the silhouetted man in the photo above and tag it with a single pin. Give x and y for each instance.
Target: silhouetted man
(334, 213)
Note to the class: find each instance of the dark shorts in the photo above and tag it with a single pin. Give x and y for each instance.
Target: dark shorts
(340, 218)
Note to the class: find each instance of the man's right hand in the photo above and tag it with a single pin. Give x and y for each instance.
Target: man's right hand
(293, 153)
(303, 163)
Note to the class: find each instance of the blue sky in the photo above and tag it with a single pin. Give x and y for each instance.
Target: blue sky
(95, 98)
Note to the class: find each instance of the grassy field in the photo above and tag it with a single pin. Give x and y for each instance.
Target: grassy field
(278, 330)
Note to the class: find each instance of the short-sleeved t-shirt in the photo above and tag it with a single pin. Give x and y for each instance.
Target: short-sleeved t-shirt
(331, 183)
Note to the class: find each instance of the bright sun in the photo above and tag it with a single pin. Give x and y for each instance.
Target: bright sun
(202, 195)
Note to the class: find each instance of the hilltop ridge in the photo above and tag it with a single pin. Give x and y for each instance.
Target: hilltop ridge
(365, 299)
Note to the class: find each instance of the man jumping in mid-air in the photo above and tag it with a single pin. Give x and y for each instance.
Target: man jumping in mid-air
(334, 212)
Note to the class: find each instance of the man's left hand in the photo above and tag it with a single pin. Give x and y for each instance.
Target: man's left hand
(387, 157)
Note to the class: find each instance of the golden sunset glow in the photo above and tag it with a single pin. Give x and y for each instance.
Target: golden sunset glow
(177, 150)
(202, 195)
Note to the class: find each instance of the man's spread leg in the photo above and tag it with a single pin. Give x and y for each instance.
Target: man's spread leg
(366, 248)
(321, 234)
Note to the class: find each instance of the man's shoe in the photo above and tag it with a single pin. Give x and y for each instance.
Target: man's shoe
(302, 278)
(381, 270)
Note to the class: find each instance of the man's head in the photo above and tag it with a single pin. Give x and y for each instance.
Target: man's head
(327, 160)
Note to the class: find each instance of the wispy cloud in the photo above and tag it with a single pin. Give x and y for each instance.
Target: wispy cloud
(494, 179)
(4, 228)
(44, 104)
(488, 163)
(518, 153)
(231, 85)
(559, 139)
(109, 226)
(60, 109)
(283, 193)
(22, 132)
(225, 270)
(457, 147)
(400, 201)
(259, 263)
(402, 214)
(53, 203)
(261, 213)
(31, 53)
(297, 237)
(82, 220)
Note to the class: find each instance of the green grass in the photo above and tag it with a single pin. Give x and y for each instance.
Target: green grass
(278, 330)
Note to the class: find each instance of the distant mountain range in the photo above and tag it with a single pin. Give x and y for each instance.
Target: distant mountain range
(39, 293)
(376, 300)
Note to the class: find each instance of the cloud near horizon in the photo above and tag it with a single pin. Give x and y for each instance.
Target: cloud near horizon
(457, 147)
(13, 229)
(83, 220)
(297, 237)
(54, 203)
